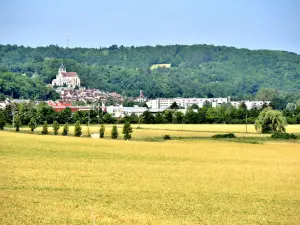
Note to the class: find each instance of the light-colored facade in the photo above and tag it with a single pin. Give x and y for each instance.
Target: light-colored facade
(164, 103)
(70, 79)
(250, 104)
(120, 111)
(3, 104)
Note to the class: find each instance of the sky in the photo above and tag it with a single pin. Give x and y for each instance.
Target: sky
(253, 24)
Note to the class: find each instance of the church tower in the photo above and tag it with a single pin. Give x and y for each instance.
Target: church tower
(61, 69)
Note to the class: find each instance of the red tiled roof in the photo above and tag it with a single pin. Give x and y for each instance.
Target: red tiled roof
(69, 74)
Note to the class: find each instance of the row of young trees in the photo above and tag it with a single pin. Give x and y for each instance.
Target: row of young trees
(127, 129)
(268, 121)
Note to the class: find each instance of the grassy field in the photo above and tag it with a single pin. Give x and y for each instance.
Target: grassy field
(68, 180)
(164, 65)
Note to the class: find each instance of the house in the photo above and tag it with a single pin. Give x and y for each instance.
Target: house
(3, 104)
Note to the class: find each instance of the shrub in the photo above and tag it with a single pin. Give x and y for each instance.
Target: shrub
(2, 120)
(77, 129)
(114, 132)
(45, 128)
(55, 127)
(32, 124)
(65, 130)
(127, 130)
(167, 137)
(102, 131)
(18, 123)
(228, 135)
(284, 136)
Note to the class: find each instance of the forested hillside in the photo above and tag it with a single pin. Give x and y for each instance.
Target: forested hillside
(196, 71)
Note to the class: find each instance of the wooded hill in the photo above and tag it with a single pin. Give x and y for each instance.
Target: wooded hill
(195, 71)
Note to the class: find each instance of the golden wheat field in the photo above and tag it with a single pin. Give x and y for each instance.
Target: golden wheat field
(174, 130)
(68, 180)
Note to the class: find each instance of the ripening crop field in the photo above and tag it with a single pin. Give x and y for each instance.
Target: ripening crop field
(68, 180)
(174, 130)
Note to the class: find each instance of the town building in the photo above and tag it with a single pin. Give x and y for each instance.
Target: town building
(250, 104)
(141, 97)
(164, 103)
(120, 111)
(3, 104)
(88, 95)
(64, 78)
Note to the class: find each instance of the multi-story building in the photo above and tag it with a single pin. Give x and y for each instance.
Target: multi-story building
(64, 78)
(250, 104)
(164, 103)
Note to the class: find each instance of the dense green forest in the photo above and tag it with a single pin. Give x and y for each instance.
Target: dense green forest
(196, 70)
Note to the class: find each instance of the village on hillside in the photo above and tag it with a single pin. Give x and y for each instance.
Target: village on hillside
(76, 97)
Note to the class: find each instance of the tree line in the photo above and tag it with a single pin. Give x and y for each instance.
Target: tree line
(225, 113)
(196, 70)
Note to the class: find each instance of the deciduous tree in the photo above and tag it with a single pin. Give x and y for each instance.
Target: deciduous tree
(270, 120)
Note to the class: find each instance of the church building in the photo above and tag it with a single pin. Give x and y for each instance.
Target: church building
(64, 78)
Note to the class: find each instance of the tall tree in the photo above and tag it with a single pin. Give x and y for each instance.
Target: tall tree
(270, 120)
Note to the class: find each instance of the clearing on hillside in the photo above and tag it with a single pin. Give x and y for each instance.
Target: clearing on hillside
(163, 65)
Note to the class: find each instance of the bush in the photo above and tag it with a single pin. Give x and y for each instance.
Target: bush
(32, 124)
(127, 130)
(228, 135)
(2, 120)
(102, 131)
(65, 130)
(55, 127)
(18, 123)
(114, 132)
(45, 128)
(284, 136)
(77, 129)
(167, 137)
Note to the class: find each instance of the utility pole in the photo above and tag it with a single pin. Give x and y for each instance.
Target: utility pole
(13, 119)
(98, 113)
(246, 124)
(89, 122)
(13, 114)
(139, 121)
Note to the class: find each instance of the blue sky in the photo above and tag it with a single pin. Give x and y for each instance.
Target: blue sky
(253, 24)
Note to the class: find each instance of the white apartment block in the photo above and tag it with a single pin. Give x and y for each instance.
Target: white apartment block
(164, 103)
(250, 104)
